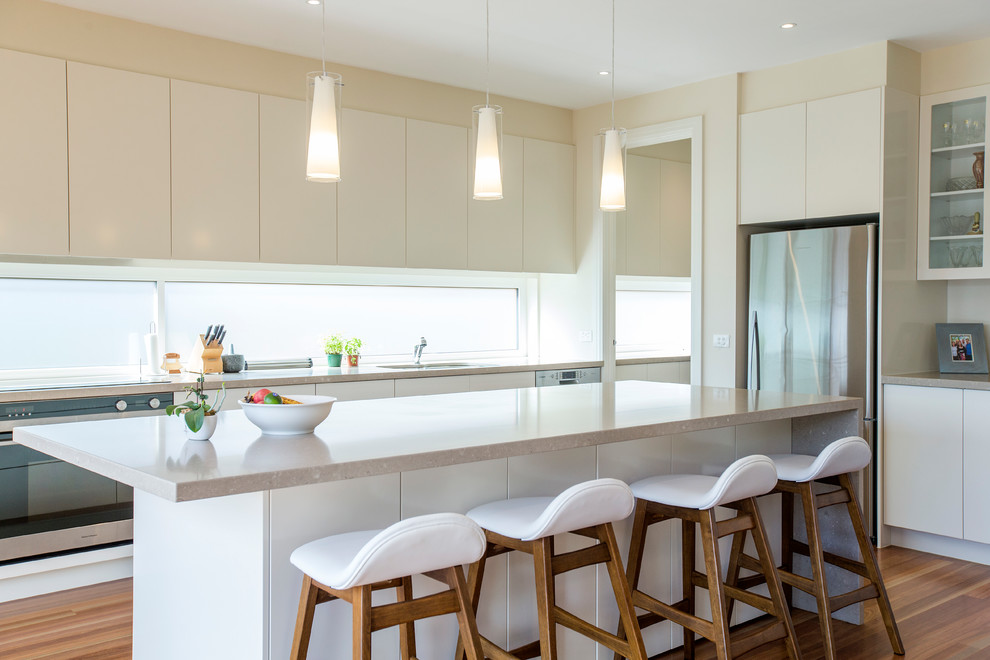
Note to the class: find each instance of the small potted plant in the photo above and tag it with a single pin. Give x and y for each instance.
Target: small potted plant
(333, 346)
(352, 349)
(200, 416)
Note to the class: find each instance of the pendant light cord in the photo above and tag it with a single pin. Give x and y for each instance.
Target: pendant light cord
(488, 57)
(323, 24)
(613, 64)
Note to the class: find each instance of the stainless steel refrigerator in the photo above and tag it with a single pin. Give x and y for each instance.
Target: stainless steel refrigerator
(812, 315)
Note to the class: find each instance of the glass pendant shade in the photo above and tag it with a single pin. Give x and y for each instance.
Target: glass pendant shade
(613, 196)
(323, 113)
(487, 128)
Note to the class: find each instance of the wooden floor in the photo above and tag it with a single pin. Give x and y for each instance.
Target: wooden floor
(942, 608)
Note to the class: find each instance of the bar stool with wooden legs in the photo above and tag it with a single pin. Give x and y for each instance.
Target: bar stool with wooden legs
(692, 499)
(528, 524)
(797, 475)
(352, 566)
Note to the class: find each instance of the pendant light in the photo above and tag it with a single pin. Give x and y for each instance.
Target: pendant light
(323, 113)
(486, 126)
(613, 197)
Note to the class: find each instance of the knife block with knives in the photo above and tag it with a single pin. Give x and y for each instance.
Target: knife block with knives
(207, 352)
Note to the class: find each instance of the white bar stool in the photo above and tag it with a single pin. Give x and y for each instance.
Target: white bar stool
(692, 498)
(528, 524)
(351, 566)
(797, 475)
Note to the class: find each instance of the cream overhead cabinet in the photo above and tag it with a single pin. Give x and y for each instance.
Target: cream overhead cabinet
(548, 207)
(371, 195)
(436, 195)
(214, 173)
(34, 186)
(811, 160)
(772, 155)
(119, 163)
(951, 204)
(495, 228)
(298, 217)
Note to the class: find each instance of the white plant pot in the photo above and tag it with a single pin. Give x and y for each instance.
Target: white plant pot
(206, 432)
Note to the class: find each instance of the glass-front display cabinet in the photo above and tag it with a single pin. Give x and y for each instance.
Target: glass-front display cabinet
(951, 215)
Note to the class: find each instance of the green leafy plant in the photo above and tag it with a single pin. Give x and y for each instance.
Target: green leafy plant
(333, 344)
(196, 406)
(353, 346)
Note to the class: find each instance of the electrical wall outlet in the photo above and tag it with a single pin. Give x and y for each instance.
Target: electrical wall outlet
(584, 336)
(720, 341)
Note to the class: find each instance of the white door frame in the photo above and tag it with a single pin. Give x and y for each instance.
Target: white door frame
(690, 128)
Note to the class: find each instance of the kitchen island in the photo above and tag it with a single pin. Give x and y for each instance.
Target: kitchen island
(216, 521)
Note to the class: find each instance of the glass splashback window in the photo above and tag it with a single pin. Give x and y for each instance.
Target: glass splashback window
(51, 323)
(286, 321)
(657, 322)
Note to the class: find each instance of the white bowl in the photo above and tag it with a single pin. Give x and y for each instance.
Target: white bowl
(289, 418)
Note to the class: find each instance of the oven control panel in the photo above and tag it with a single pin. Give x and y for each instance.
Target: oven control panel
(20, 411)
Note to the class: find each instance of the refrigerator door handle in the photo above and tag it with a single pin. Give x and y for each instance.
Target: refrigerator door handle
(754, 355)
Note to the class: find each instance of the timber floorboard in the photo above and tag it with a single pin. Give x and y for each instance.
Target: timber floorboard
(942, 607)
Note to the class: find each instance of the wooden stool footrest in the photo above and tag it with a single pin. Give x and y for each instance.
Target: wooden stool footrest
(743, 643)
(386, 616)
(831, 498)
(807, 585)
(674, 614)
(569, 561)
(494, 652)
(581, 626)
(867, 592)
(851, 565)
(751, 599)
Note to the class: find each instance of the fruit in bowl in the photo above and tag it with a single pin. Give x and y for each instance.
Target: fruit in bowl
(278, 415)
(266, 396)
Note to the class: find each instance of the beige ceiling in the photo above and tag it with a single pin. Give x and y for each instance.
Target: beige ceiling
(551, 51)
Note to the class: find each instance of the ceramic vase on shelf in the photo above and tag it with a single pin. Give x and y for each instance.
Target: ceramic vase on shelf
(978, 169)
(206, 431)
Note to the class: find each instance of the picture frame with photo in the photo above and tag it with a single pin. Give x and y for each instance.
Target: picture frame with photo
(962, 348)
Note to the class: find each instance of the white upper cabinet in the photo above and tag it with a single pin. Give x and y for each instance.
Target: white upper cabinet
(675, 219)
(772, 164)
(298, 217)
(548, 207)
(371, 196)
(119, 168)
(495, 228)
(843, 175)
(214, 173)
(34, 186)
(436, 195)
(642, 216)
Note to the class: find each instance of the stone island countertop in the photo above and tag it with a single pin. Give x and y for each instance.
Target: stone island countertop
(385, 436)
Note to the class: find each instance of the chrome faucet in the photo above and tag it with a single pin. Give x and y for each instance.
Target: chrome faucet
(418, 349)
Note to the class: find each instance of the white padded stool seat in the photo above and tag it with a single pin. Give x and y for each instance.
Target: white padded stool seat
(409, 547)
(750, 476)
(583, 505)
(840, 457)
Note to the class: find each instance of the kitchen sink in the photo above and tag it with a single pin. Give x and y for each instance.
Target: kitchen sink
(432, 365)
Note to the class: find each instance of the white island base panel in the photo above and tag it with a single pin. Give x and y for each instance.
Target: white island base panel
(213, 578)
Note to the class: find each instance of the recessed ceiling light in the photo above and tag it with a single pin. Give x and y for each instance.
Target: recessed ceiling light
(788, 26)
(312, 2)
(603, 73)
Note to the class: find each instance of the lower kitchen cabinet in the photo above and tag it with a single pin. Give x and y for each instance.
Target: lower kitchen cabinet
(923, 459)
(976, 456)
(432, 385)
(658, 372)
(358, 390)
(479, 382)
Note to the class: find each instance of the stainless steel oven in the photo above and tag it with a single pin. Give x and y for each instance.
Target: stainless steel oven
(48, 506)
